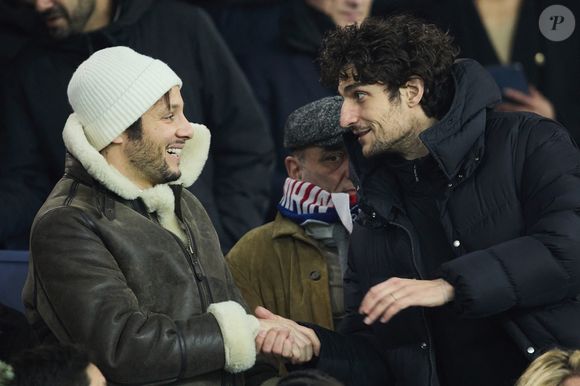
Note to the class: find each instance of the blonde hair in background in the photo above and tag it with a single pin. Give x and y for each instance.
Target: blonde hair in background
(552, 369)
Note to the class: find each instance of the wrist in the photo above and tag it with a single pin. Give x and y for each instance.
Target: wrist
(447, 291)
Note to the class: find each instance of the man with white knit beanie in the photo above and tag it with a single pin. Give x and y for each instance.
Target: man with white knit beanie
(124, 260)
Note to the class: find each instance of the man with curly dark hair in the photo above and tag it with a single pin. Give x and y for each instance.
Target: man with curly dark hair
(464, 263)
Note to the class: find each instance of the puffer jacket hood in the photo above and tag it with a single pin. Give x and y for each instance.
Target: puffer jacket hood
(450, 139)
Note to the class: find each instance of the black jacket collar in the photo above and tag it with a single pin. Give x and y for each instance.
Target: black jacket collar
(456, 141)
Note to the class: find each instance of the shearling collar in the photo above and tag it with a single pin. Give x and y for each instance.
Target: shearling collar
(159, 198)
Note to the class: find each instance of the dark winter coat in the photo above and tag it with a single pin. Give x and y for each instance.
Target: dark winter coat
(232, 187)
(510, 215)
(553, 67)
(151, 306)
(278, 54)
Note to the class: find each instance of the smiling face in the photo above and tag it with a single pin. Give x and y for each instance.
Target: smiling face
(153, 156)
(384, 122)
(572, 381)
(325, 167)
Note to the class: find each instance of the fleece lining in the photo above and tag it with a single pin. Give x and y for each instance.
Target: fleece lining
(239, 331)
(157, 199)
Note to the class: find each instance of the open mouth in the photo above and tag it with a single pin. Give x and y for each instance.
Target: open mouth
(174, 152)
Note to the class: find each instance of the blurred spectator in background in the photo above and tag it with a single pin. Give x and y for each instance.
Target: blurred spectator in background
(506, 31)
(234, 187)
(54, 366)
(553, 368)
(278, 53)
(294, 265)
(15, 333)
(17, 26)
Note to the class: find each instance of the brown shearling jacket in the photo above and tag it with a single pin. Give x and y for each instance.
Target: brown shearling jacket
(105, 274)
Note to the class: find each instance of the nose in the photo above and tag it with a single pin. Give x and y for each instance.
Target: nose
(185, 130)
(43, 5)
(348, 115)
(345, 173)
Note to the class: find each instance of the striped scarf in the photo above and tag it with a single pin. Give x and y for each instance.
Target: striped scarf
(304, 201)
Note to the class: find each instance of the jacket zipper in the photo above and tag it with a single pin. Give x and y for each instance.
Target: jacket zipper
(192, 260)
(201, 279)
(421, 276)
(195, 266)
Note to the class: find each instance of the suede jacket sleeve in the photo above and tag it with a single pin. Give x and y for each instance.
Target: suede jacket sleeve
(83, 295)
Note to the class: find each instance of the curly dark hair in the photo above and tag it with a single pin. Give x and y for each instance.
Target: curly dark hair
(390, 51)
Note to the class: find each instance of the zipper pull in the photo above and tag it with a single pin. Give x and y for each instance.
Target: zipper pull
(197, 270)
(415, 173)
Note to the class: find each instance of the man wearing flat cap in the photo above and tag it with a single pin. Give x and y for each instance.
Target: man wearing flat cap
(294, 265)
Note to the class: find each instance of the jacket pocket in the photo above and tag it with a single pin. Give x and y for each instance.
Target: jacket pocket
(540, 329)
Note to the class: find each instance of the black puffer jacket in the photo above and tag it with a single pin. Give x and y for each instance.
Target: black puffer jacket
(234, 186)
(510, 215)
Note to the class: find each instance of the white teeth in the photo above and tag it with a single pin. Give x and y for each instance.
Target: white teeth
(174, 151)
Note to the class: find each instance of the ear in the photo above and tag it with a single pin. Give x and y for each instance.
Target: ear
(413, 91)
(293, 167)
(120, 139)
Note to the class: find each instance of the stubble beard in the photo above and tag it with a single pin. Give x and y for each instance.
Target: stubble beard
(75, 22)
(149, 160)
(403, 145)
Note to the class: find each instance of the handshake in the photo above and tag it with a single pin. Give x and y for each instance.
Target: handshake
(284, 338)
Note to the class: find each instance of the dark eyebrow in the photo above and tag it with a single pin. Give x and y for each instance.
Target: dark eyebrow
(352, 86)
(164, 109)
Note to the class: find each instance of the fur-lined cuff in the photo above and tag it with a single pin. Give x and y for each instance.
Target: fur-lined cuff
(239, 331)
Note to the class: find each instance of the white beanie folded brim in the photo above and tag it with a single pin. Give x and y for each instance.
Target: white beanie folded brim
(113, 88)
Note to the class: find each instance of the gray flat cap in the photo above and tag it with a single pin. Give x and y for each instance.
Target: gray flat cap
(315, 124)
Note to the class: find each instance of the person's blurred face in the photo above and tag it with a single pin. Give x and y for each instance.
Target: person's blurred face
(326, 168)
(572, 381)
(95, 376)
(64, 17)
(344, 12)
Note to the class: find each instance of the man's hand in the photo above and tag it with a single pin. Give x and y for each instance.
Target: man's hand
(535, 102)
(388, 298)
(283, 337)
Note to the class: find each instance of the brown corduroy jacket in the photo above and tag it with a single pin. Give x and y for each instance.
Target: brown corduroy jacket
(281, 268)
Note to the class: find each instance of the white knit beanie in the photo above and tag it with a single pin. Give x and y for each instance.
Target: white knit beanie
(113, 88)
